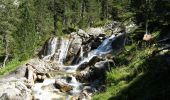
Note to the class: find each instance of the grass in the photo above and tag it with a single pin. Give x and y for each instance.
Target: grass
(138, 76)
(11, 66)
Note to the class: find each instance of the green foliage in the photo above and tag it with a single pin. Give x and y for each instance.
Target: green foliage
(25, 36)
(11, 66)
(142, 77)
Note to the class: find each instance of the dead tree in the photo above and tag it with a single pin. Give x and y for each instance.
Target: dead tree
(6, 50)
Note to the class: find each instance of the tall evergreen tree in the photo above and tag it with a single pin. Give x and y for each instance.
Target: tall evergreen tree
(7, 27)
(26, 36)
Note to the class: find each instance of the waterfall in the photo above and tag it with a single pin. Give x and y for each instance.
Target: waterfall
(58, 48)
(104, 48)
(81, 53)
(63, 50)
(50, 48)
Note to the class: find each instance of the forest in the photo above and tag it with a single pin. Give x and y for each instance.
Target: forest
(26, 25)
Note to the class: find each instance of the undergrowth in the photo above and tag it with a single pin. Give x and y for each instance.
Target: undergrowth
(139, 75)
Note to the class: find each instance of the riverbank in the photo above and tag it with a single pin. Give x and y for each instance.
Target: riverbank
(11, 66)
(140, 74)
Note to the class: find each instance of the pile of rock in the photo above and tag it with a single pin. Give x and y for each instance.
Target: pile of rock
(14, 90)
(35, 75)
(94, 69)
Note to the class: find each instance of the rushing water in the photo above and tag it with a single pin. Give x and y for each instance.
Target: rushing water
(40, 93)
(104, 48)
(64, 50)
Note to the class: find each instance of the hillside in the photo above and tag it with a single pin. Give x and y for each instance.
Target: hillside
(84, 49)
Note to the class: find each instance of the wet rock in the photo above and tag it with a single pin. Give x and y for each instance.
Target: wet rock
(62, 86)
(82, 33)
(95, 72)
(82, 66)
(95, 31)
(93, 60)
(84, 76)
(34, 77)
(29, 75)
(40, 78)
(43, 77)
(48, 75)
(48, 49)
(88, 89)
(74, 49)
(74, 98)
(68, 79)
(84, 96)
(104, 65)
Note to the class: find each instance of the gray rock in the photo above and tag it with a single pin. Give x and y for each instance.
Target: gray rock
(62, 86)
(104, 65)
(14, 91)
(92, 73)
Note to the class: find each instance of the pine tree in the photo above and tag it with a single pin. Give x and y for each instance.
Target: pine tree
(7, 27)
(25, 37)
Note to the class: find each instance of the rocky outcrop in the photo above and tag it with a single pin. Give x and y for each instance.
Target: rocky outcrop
(104, 65)
(95, 72)
(71, 51)
(14, 90)
(88, 63)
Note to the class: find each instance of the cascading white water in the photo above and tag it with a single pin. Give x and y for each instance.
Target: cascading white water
(50, 49)
(58, 47)
(41, 94)
(104, 48)
(81, 53)
(63, 50)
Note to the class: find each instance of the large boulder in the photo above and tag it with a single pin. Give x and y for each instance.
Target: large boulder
(63, 87)
(95, 31)
(14, 90)
(104, 65)
(88, 63)
(92, 73)
(74, 48)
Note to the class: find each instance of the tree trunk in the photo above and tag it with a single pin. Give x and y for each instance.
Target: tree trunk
(146, 27)
(55, 23)
(82, 9)
(6, 50)
(55, 17)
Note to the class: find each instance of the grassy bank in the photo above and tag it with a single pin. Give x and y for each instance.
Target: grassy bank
(11, 66)
(139, 75)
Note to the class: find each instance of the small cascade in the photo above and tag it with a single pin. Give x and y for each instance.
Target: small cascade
(56, 48)
(104, 48)
(68, 74)
(76, 85)
(63, 50)
(49, 49)
(81, 53)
